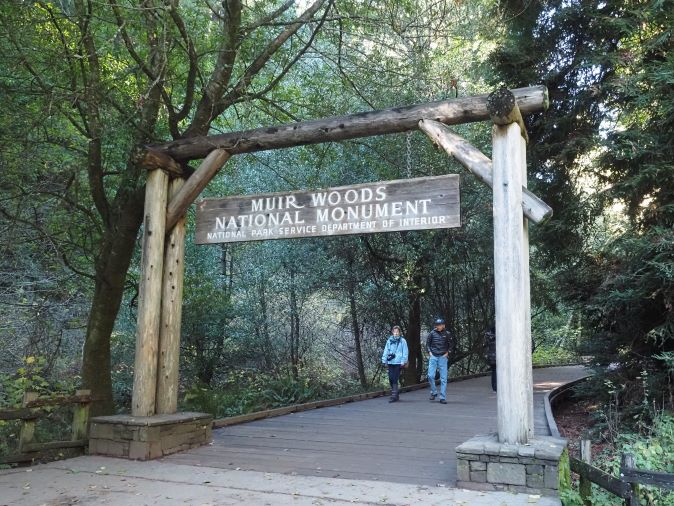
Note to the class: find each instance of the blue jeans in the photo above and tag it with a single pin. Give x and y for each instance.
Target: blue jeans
(438, 363)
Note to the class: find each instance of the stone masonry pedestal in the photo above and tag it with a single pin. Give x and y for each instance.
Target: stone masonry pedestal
(485, 464)
(148, 437)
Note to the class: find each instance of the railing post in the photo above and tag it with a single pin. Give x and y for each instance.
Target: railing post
(81, 417)
(27, 426)
(585, 485)
(627, 463)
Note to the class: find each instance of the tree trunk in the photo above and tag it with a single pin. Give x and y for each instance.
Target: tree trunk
(412, 374)
(267, 347)
(356, 333)
(294, 328)
(117, 249)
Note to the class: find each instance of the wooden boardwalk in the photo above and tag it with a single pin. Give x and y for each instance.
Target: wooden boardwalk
(411, 441)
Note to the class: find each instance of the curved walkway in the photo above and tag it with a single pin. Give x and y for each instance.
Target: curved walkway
(411, 441)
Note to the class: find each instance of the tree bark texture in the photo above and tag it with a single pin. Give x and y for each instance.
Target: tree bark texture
(412, 374)
(356, 329)
(294, 328)
(263, 327)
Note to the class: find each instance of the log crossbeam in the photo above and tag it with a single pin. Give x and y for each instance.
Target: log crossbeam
(387, 121)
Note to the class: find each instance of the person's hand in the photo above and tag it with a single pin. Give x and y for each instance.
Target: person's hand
(446, 355)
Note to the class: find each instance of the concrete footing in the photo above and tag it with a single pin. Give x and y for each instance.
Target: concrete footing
(148, 437)
(485, 464)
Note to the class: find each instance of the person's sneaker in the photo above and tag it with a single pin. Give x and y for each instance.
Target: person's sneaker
(432, 397)
(443, 401)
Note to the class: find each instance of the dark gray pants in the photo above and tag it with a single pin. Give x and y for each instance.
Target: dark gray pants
(393, 378)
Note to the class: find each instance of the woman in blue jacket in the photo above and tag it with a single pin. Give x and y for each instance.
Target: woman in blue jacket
(395, 356)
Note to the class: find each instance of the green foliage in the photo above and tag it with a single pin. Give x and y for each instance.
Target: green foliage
(247, 392)
(544, 355)
(652, 451)
(28, 378)
(564, 482)
(602, 156)
(54, 424)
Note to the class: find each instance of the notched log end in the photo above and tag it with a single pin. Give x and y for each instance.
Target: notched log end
(546, 217)
(151, 159)
(503, 109)
(501, 102)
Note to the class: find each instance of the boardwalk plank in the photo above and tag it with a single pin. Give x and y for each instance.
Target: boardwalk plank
(411, 441)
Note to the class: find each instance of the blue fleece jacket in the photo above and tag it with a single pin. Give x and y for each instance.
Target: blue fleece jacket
(399, 348)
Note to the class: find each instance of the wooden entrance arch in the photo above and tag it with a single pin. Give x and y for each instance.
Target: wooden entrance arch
(171, 189)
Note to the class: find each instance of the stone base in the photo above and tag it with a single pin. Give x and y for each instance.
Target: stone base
(148, 437)
(485, 464)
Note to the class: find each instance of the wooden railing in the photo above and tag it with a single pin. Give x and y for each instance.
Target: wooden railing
(625, 487)
(32, 409)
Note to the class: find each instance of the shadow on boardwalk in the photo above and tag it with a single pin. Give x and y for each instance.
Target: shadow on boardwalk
(411, 441)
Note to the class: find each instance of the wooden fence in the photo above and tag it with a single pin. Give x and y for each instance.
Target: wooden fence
(32, 409)
(625, 487)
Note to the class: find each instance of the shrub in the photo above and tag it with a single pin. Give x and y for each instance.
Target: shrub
(652, 452)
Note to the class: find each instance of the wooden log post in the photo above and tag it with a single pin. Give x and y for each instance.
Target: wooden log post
(171, 313)
(480, 166)
(27, 425)
(513, 352)
(585, 485)
(633, 478)
(149, 298)
(627, 464)
(80, 427)
(526, 297)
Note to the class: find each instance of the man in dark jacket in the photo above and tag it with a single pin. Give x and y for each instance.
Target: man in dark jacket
(438, 345)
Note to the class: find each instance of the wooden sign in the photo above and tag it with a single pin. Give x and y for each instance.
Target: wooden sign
(405, 204)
